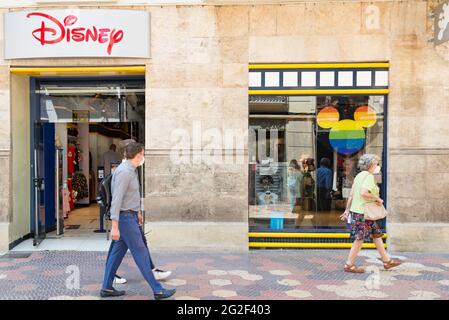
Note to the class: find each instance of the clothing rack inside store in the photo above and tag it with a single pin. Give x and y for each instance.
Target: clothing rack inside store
(72, 139)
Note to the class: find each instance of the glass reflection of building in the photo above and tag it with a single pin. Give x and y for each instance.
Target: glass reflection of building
(283, 128)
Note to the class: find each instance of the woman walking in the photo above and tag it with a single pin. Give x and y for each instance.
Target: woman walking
(294, 177)
(365, 190)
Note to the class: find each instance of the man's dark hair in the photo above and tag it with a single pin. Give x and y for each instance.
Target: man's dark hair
(132, 149)
(113, 147)
(124, 143)
(325, 162)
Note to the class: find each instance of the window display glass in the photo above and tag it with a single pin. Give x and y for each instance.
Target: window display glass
(97, 102)
(303, 153)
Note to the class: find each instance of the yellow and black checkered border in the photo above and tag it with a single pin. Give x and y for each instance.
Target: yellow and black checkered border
(374, 85)
(304, 240)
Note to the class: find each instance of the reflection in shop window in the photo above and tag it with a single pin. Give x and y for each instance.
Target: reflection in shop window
(114, 103)
(303, 154)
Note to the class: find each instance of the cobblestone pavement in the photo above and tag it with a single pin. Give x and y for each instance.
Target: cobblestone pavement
(261, 274)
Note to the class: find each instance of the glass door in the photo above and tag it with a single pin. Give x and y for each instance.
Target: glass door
(59, 183)
(38, 223)
(114, 107)
(303, 154)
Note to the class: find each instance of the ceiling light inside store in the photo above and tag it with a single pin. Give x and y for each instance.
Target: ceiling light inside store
(77, 91)
(268, 99)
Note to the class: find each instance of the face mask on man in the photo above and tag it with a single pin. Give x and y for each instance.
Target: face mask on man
(142, 161)
(377, 170)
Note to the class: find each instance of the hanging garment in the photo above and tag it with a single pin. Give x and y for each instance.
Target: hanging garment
(71, 159)
(80, 186)
(71, 198)
(65, 201)
(77, 159)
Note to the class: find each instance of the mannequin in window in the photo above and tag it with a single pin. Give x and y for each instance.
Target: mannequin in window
(324, 176)
(110, 157)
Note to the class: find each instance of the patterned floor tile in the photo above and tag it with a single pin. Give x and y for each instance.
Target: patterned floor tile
(258, 274)
(280, 272)
(444, 282)
(186, 298)
(217, 272)
(224, 293)
(176, 282)
(298, 293)
(289, 282)
(423, 295)
(220, 282)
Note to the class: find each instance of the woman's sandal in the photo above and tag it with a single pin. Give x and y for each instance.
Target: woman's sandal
(352, 268)
(391, 264)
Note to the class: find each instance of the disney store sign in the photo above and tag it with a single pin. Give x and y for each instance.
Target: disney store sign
(77, 33)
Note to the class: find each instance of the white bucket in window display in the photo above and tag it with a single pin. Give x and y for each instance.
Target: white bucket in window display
(276, 220)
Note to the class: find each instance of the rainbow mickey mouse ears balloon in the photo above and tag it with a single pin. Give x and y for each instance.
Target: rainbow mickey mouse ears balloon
(347, 136)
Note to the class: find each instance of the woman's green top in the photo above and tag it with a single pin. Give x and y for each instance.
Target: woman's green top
(364, 180)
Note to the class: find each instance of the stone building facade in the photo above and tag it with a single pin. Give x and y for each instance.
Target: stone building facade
(198, 75)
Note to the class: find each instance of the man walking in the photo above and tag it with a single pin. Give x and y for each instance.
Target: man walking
(159, 274)
(126, 218)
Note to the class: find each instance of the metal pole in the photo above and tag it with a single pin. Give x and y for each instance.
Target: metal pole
(36, 202)
(57, 191)
(142, 196)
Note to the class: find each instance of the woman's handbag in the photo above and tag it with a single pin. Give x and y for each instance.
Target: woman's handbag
(374, 211)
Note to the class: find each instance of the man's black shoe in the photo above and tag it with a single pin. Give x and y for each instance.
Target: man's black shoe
(166, 293)
(105, 293)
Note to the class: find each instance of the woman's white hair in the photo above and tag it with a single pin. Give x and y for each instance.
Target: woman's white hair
(366, 161)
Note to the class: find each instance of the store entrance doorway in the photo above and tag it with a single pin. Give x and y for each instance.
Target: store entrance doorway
(79, 130)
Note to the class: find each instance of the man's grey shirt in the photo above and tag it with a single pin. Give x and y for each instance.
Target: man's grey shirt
(125, 190)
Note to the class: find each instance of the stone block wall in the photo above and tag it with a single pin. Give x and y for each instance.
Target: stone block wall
(197, 81)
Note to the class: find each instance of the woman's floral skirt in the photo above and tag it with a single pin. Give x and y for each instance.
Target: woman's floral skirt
(362, 229)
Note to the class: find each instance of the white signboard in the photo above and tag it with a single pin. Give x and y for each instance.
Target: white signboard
(77, 33)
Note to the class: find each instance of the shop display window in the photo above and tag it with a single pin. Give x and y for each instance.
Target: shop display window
(303, 153)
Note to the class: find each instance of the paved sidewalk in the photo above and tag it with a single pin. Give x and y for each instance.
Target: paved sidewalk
(261, 274)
